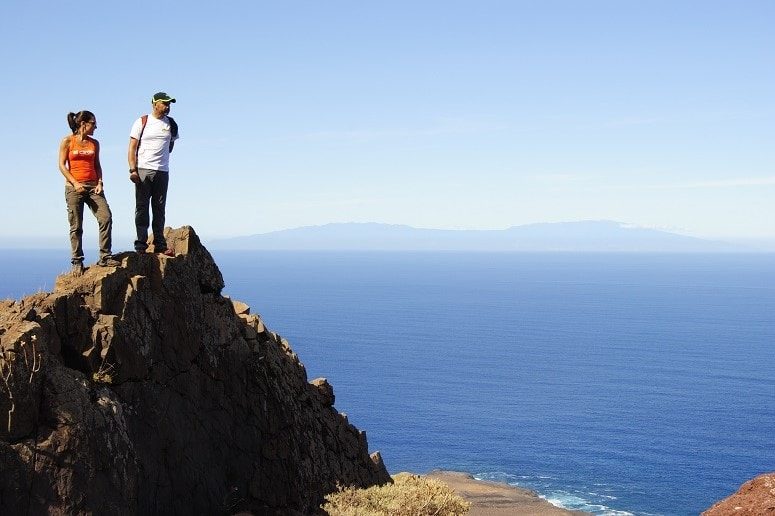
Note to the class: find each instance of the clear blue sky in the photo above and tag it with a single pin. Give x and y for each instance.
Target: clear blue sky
(438, 114)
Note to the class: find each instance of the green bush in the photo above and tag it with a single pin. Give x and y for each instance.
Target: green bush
(409, 495)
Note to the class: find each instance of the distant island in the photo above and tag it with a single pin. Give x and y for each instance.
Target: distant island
(584, 236)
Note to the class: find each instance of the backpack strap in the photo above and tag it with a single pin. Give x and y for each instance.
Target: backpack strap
(143, 122)
(173, 130)
(173, 126)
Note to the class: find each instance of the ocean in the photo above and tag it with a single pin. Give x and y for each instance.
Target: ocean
(611, 383)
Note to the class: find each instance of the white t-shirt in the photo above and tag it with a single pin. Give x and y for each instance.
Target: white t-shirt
(154, 148)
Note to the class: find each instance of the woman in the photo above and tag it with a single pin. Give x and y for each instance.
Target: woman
(79, 162)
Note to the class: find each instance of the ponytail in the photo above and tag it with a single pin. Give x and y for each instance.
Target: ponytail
(71, 122)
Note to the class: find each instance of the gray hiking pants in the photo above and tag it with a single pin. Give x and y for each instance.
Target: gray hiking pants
(99, 207)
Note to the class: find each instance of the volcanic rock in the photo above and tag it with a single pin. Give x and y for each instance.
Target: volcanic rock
(140, 389)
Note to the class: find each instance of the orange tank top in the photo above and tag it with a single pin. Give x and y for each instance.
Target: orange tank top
(81, 157)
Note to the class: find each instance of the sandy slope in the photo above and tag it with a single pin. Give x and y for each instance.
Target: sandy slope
(497, 499)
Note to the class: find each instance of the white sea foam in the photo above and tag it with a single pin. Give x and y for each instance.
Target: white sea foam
(588, 501)
(570, 501)
(601, 495)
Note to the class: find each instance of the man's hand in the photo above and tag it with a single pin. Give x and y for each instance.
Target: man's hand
(134, 177)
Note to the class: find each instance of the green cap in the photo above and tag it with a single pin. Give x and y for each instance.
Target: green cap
(161, 96)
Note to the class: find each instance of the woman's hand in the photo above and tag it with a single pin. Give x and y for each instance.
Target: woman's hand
(79, 187)
(98, 189)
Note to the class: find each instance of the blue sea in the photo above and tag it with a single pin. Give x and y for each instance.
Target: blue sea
(611, 383)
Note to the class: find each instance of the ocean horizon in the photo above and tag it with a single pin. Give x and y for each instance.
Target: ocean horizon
(610, 383)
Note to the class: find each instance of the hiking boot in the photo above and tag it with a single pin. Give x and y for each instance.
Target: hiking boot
(77, 270)
(108, 261)
(166, 252)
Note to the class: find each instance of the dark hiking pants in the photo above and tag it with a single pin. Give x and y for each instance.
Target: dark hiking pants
(151, 190)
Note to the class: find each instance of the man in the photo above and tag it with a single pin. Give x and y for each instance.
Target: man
(151, 140)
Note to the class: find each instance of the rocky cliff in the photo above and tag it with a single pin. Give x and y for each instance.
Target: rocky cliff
(754, 498)
(140, 389)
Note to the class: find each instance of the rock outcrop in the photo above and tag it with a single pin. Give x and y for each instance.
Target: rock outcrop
(140, 389)
(754, 498)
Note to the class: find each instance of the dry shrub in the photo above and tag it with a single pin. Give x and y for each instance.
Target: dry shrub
(409, 495)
